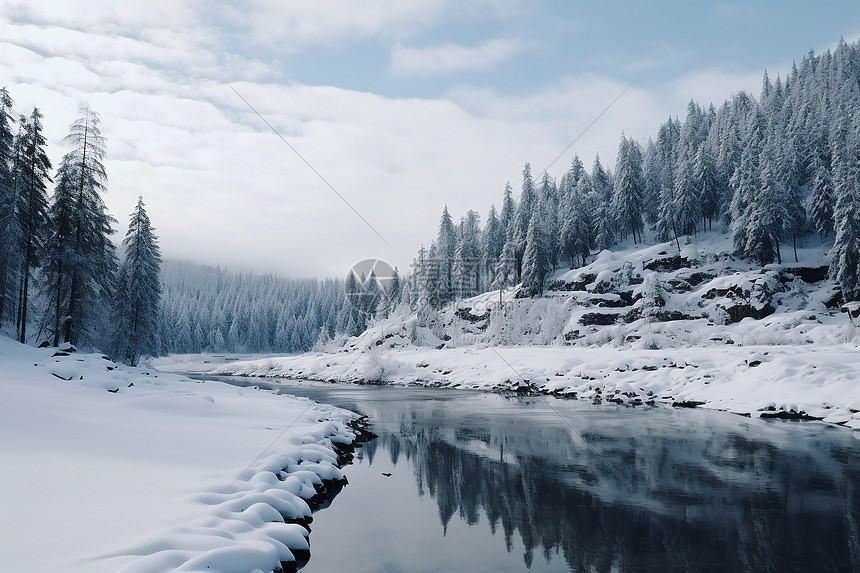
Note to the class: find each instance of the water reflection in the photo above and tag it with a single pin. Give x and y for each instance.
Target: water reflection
(710, 491)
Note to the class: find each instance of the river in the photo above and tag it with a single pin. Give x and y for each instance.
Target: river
(468, 481)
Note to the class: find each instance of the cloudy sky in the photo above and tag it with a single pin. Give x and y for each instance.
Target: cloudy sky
(402, 107)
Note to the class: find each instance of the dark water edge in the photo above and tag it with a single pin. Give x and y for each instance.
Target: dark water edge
(484, 482)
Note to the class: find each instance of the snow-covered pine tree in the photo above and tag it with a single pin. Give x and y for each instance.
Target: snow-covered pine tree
(137, 296)
(30, 208)
(508, 213)
(746, 183)
(604, 215)
(687, 208)
(81, 257)
(708, 186)
(822, 200)
(629, 188)
(432, 279)
(525, 209)
(536, 259)
(668, 137)
(845, 255)
(493, 243)
(576, 233)
(573, 216)
(8, 252)
(795, 223)
(548, 193)
(469, 238)
(651, 184)
(506, 268)
(765, 212)
(446, 244)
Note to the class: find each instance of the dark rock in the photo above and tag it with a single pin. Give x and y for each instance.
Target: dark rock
(610, 303)
(734, 291)
(465, 314)
(678, 285)
(672, 315)
(834, 301)
(572, 335)
(809, 274)
(58, 353)
(666, 264)
(697, 278)
(739, 312)
(576, 285)
(598, 319)
(44, 344)
(791, 415)
(602, 287)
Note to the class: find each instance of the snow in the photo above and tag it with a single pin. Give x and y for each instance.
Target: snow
(112, 468)
(801, 359)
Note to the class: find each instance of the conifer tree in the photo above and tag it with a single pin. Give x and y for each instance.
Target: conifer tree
(80, 257)
(707, 185)
(604, 219)
(651, 184)
(493, 243)
(138, 291)
(822, 197)
(8, 253)
(686, 203)
(522, 219)
(845, 262)
(446, 245)
(508, 212)
(30, 208)
(629, 188)
(536, 259)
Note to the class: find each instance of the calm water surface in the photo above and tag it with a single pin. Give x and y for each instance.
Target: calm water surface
(482, 482)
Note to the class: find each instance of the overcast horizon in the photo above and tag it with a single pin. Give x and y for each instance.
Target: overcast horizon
(401, 107)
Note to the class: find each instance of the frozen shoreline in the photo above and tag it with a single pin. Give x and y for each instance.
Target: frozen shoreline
(112, 468)
(789, 381)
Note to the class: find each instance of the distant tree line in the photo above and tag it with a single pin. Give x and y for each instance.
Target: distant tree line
(773, 170)
(208, 309)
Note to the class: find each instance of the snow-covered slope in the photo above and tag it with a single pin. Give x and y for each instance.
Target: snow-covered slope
(110, 468)
(639, 325)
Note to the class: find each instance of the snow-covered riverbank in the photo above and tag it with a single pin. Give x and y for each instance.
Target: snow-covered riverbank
(819, 381)
(110, 468)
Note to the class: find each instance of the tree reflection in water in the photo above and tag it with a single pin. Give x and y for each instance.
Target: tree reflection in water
(735, 496)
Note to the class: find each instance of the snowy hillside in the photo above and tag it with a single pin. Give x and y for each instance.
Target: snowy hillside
(637, 326)
(112, 468)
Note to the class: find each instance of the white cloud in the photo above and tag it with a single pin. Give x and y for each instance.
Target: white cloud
(222, 189)
(451, 57)
(300, 22)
